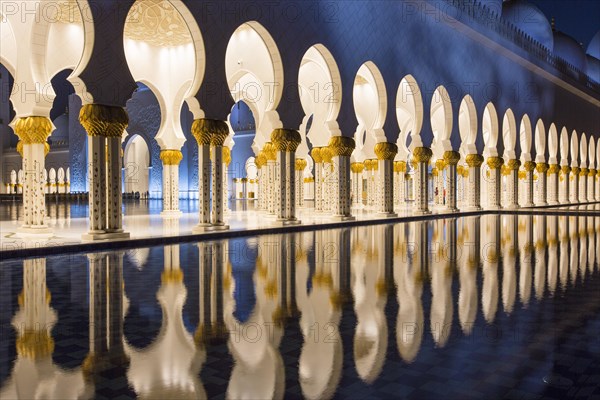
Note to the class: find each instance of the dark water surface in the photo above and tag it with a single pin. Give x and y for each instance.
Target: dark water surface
(479, 307)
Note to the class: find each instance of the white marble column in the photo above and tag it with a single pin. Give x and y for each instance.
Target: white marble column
(171, 160)
(438, 179)
(271, 182)
(399, 184)
(386, 152)
(226, 162)
(105, 126)
(357, 169)
(202, 131)
(422, 156)
(529, 168)
(597, 178)
(493, 186)
(474, 161)
(300, 167)
(513, 184)
(553, 172)
(564, 182)
(341, 148)
(542, 169)
(285, 143)
(574, 185)
(261, 165)
(591, 178)
(318, 161)
(33, 133)
(216, 149)
(451, 158)
(583, 184)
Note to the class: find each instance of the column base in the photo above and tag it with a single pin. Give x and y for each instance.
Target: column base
(528, 205)
(452, 209)
(287, 222)
(512, 207)
(473, 208)
(422, 212)
(201, 228)
(171, 213)
(94, 236)
(341, 218)
(494, 207)
(381, 214)
(37, 232)
(541, 204)
(219, 227)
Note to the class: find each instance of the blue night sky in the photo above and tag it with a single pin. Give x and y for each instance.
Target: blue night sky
(577, 18)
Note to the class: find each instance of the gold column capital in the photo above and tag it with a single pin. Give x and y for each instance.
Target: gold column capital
(285, 139)
(341, 146)
(270, 151)
(260, 160)
(529, 166)
(513, 165)
(554, 169)
(565, 169)
(422, 154)
(583, 172)
(171, 157)
(474, 160)
(592, 172)
(171, 276)
(386, 151)
(203, 130)
(33, 130)
(316, 155)
(495, 162)
(575, 170)
(452, 157)
(326, 154)
(300, 164)
(357, 167)
(542, 168)
(440, 164)
(400, 166)
(226, 155)
(100, 120)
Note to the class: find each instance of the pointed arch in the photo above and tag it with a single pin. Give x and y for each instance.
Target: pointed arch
(409, 113)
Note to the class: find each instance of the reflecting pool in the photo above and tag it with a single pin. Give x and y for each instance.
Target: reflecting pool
(495, 306)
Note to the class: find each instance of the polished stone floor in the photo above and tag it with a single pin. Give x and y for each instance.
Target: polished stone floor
(142, 219)
(493, 306)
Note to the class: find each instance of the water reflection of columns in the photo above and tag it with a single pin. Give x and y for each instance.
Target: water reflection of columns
(583, 249)
(563, 234)
(552, 252)
(540, 255)
(106, 351)
(574, 248)
(526, 245)
(409, 276)
(509, 264)
(442, 264)
(491, 257)
(468, 266)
